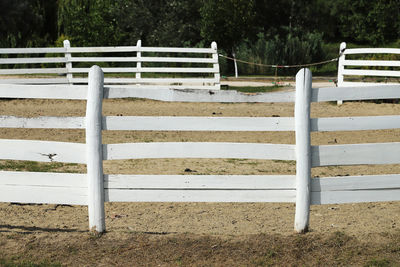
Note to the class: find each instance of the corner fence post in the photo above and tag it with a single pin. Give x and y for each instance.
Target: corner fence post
(303, 149)
(94, 150)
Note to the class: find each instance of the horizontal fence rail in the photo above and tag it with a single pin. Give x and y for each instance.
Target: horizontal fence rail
(43, 187)
(356, 154)
(43, 151)
(198, 150)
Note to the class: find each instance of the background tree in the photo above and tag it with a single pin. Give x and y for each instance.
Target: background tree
(227, 21)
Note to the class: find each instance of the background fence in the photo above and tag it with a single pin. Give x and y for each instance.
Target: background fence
(161, 67)
(95, 188)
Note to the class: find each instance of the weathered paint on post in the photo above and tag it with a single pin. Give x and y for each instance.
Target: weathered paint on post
(68, 64)
(340, 77)
(94, 150)
(139, 62)
(217, 76)
(303, 149)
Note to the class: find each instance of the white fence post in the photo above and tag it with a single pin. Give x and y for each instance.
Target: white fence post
(139, 62)
(303, 149)
(340, 77)
(217, 75)
(235, 63)
(68, 64)
(94, 150)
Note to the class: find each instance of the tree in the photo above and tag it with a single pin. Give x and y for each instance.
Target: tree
(374, 22)
(87, 22)
(27, 23)
(227, 22)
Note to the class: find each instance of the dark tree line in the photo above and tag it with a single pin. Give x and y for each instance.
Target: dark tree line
(284, 31)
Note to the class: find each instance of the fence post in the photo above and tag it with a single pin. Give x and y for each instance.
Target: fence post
(340, 77)
(217, 75)
(94, 150)
(68, 64)
(235, 63)
(139, 62)
(303, 149)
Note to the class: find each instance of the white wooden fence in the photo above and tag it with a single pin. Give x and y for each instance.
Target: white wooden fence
(357, 67)
(95, 188)
(156, 67)
(362, 69)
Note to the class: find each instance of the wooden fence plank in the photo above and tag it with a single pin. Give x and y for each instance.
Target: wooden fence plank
(49, 81)
(338, 197)
(33, 71)
(371, 51)
(199, 150)
(45, 179)
(390, 73)
(364, 84)
(43, 91)
(149, 70)
(39, 50)
(209, 182)
(166, 123)
(43, 187)
(189, 95)
(102, 49)
(355, 123)
(45, 151)
(32, 60)
(177, 50)
(145, 59)
(375, 63)
(356, 154)
(119, 195)
(349, 183)
(42, 122)
(355, 93)
(151, 80)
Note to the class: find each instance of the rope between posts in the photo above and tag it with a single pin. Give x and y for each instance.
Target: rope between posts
(281, 66)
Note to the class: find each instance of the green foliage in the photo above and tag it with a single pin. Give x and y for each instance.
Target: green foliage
(26, 23)
(292, 49)
(373, 22)
(227, 21)
(87, 22)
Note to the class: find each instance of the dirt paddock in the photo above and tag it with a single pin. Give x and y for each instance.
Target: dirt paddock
(204, 234)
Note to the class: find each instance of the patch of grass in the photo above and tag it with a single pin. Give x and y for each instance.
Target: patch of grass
(33, 166)
(378, 263)
(290, 162)
(252, 89)
(26, 263)
(241, 161)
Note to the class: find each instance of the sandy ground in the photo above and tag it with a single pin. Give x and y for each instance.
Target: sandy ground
(221, 219)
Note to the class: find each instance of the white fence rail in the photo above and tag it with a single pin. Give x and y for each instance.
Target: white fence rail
(196, 68)
(94, 188)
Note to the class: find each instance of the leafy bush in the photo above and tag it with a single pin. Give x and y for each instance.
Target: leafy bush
(290, 49)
